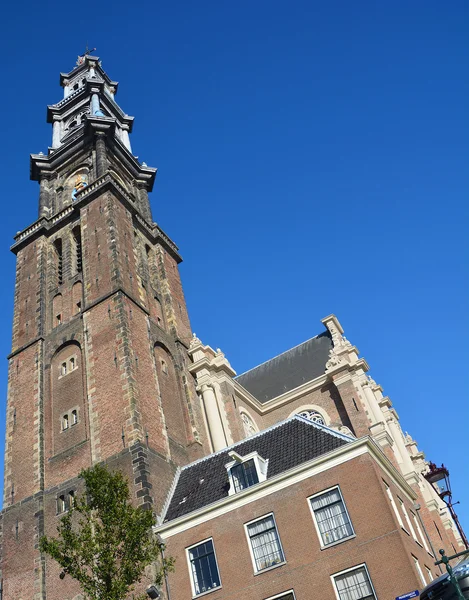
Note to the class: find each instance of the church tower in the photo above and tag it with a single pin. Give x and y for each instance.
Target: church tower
(99, 368)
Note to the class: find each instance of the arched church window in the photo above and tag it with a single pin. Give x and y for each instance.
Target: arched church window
(312, 415)
(248, 425)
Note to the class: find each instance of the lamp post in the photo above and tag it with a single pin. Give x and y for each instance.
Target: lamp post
(440, 477)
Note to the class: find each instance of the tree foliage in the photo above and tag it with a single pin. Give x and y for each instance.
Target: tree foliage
(103, 541)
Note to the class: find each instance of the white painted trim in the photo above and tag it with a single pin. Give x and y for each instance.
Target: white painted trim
(282, 595)
(348, 571)
(260, 465)
(364, 445)
(189, 566)
(419, 570)
(407, 520)
(393, 504)
(349, 537)
(253, 559)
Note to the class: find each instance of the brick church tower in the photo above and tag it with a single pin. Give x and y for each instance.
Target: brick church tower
(99, 364)
(104, 366)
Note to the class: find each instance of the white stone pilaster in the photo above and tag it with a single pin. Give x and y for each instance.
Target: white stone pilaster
(56, 130)
(212, 414)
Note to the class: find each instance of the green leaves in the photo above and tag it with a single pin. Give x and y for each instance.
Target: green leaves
(104, 542)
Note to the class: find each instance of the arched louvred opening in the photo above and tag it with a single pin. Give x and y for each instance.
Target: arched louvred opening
(58, 262)
(57, 310)
(67, 408)
(77, 250)
(156, 312)
(171, 396)
(77, 297)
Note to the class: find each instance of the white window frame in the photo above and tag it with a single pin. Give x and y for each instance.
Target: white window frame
(429, 573)
(282, 595)
(420, 532)
(394, 506)
(189, 566)
(354, 568)
(407, 520)
(419, 570)
(321, 543)
(65, 422)
(260, 464)
(253, 558)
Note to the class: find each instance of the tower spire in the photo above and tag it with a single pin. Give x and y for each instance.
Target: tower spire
(89, 124)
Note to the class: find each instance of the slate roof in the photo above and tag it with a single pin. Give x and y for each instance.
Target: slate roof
(288, 370)
(286, 445)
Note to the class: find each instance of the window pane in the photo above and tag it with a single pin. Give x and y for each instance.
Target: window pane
(239, 480)
(265, 543)
(204, 567)
(244, 475)
(331, 517)
(354, 585)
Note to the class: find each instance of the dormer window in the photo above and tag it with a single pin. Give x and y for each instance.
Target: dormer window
(245, 471)
(244, 475)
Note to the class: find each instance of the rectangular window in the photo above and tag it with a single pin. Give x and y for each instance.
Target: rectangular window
(407, 520)
(419, 571)
(61, 504)
(244, 475)
(419, 529)
(203, 567)
(290, 595)
(354, 584)
(393, 504)
(429, 574)
(331, 517)
(264, 541)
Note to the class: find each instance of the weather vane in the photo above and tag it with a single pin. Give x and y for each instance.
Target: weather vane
(81, 57)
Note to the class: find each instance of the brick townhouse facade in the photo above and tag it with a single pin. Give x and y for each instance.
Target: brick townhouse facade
(334, 518)
(104, 367)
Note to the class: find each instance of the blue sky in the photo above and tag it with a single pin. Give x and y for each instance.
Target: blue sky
(312, 158)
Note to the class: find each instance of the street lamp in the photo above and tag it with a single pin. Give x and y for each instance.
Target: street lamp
(439, 477)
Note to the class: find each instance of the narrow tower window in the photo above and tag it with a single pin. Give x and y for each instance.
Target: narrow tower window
(74, 417)
(59, 261)
(64, 422)
(78, 254)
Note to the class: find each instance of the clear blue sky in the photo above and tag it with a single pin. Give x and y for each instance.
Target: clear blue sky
(312, 159)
